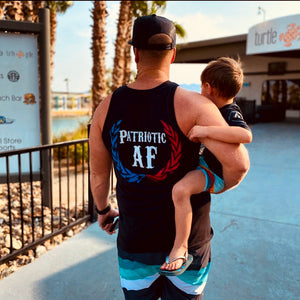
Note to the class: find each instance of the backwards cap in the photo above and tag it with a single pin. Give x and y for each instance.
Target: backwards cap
(147, 26)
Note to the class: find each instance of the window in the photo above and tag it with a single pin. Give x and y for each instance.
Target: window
(285, 92)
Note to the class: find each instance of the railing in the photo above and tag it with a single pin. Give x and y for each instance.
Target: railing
(28, 215)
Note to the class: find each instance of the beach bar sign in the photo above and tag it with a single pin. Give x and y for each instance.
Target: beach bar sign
(19, 98)
(277, 35)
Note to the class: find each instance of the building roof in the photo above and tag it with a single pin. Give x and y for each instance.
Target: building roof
(232, 46)
(204, 51)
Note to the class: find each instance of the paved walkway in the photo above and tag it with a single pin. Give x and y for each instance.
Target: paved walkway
(255, 249)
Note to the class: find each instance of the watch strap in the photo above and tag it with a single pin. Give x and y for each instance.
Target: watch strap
(103, 211)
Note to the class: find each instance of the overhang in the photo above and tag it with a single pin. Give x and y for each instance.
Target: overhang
(205, 51)
(232, 46)
(273, 38)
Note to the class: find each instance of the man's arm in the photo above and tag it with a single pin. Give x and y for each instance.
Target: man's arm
(234, 159)
(231, 134)
(194, 109)
(100, 165)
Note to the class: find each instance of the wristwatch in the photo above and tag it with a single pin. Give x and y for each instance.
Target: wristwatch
(103, 211)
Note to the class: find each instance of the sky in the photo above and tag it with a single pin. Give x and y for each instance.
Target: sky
(202, 20)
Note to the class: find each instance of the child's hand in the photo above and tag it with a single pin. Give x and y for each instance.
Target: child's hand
(197, 133)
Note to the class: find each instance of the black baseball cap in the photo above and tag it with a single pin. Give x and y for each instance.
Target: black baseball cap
(147, 26)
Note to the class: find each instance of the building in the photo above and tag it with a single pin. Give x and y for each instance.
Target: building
(67, 104)
(270, 55)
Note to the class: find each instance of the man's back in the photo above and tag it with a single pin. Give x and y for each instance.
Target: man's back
(150, 155)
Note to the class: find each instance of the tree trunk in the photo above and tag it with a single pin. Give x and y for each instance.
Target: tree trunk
(128, 49)
(36, 5)
(99, 89)
(120, 45)
(53, 24)
(27, 9)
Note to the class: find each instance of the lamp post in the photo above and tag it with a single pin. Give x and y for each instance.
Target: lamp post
(67, 84)
(262, 11)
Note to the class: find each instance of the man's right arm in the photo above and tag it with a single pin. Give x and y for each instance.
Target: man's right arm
(193, 109)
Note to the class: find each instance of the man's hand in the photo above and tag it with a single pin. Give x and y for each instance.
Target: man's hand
(106, 221)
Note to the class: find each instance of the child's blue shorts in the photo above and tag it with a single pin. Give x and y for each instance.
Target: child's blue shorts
(214, 183)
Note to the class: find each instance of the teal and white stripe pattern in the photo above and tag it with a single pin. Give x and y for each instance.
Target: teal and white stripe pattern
(191, 282)
(136, 276)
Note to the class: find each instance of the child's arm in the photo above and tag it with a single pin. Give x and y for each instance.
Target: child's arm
(226, 134)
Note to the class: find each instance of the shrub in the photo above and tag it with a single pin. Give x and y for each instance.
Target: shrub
(75, 155)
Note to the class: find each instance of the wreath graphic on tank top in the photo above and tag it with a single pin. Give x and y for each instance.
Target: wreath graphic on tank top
(170, 167)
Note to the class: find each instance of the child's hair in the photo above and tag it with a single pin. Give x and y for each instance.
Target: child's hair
(225, 75)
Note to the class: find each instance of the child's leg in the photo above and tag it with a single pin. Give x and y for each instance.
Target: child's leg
(193, 182)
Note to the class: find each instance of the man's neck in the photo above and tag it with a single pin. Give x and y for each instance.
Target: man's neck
(149, 78)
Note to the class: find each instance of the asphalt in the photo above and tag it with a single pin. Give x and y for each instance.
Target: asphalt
(255, 249)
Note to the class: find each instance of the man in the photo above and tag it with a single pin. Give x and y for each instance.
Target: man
(142, 128)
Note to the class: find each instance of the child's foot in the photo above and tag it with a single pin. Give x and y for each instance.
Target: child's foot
(175, 260)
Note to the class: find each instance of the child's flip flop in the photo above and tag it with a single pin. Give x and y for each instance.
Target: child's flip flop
(187, 260)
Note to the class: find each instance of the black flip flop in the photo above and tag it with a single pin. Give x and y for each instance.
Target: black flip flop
(187, 260)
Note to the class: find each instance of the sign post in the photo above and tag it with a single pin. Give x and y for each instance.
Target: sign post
(25, 92)
(19, 97)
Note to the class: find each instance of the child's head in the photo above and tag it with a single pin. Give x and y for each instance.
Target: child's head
(225, 76)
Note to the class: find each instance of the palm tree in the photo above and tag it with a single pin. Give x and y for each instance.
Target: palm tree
(125, 17)
(127, 50)
(55, 7)
(128, 10)
(122, 61)
(20, 10)
(2, 6)
(144, 8)
(27, 10)
(99, 87)
(36, 5)
(13, 10)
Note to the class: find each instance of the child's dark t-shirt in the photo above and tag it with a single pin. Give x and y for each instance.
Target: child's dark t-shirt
(234, 117)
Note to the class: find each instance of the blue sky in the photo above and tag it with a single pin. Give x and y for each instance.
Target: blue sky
(202, 20)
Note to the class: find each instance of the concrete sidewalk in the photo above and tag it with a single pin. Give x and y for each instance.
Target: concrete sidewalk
(255, 249)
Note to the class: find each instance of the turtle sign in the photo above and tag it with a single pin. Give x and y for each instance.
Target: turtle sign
(277, 35)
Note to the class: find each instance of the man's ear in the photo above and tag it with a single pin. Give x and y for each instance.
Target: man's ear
(136, 55)
(174, 55)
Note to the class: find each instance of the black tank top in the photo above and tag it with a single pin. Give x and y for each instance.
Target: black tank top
(150, 154)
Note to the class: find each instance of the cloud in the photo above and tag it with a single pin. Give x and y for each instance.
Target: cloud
(200, 27)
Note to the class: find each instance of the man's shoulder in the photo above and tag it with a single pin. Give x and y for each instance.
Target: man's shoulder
(101, 110)
(190, 97)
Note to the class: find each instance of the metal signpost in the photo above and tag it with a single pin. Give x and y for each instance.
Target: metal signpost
(25, 93)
